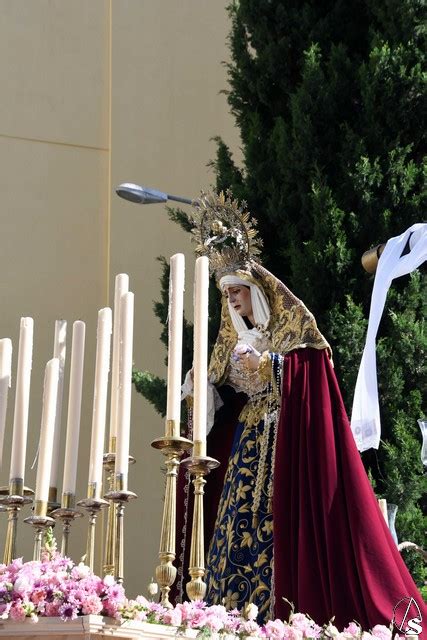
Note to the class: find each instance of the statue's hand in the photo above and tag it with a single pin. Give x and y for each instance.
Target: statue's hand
(247, 356)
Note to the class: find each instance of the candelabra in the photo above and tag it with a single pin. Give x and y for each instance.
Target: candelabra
(172, 447)
(67, 513)
(40, 521)
(120, 496)
(13, 498)
(93, 505)
(199, 467)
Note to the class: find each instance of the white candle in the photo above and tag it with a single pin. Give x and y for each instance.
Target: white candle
(123, 422)
(59, 351)
(22, 399)
(121, 287)
(176, 311)
(74, 408)
(50, 393)
(200, 357)
(100, 400)
(5, 381)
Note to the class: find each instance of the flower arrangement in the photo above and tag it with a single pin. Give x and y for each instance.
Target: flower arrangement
(55, 586)
(216, 620)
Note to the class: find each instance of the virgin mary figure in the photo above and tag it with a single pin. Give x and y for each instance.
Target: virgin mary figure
(292, 517)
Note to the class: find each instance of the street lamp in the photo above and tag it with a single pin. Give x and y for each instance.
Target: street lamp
(142, 195)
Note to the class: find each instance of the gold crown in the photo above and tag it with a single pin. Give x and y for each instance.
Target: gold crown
(225, 232)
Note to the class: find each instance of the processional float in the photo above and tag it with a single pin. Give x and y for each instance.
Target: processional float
(115, 462)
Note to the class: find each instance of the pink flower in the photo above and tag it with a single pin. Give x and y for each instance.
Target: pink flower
(292, 634)
(382, 632)
(68, 611)
(38, 596)
(186, 609)
(172, 617)
(52, 609)
(91, 605)
(16, 565)
(4, 610)
(141, 600)
(198, 619)
(17, 612)
(213, 622)
(275, 629)
(352, 628)
(111, 609)
(303, 623)
(250, 628)
(140, 616)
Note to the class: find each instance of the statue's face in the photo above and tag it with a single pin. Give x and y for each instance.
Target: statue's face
(239, 298)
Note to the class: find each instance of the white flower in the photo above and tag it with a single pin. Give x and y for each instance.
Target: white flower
(108, 581)
(153, 588)
(331, 631)
(251, 611)
(22, 585)
(82, 570)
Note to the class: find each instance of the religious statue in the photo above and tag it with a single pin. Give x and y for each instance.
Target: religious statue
(294, 517)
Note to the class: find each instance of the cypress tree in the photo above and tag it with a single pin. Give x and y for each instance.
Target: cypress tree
(328, 97)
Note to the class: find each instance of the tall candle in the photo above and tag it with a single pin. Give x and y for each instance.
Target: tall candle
(200, 358)
(5, 381)
(176, 311)
(100, 401)
(22, 399)
(50, 394)
(74, 408)
(59, 351)
(121, 287)
(124, 408)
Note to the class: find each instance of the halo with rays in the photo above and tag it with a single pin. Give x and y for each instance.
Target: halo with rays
(225, 232)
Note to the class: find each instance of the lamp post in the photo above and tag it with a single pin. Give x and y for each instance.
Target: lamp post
(143, 195)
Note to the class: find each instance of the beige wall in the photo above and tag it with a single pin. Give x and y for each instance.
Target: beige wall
(94, 94)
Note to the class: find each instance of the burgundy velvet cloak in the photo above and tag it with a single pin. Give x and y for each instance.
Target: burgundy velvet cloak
(333, 552)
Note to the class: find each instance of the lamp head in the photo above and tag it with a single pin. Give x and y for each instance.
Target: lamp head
(140, 195)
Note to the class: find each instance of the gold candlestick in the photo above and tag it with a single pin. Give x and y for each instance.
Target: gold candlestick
(40, 521)
(13, 498)
(67, 513)
(120, 496)
(110, 536)
(199, 467)
(172, 448)
(93, 506)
